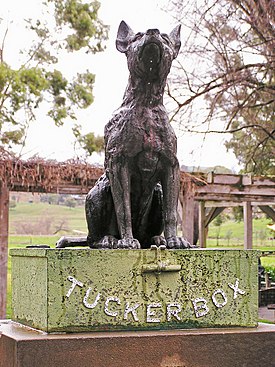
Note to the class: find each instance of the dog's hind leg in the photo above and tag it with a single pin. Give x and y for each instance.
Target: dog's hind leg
(100, 215)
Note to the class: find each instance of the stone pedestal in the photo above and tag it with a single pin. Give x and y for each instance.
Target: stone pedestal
(234, 347)
(75, 290)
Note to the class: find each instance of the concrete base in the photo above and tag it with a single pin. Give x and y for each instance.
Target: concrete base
(24, 347)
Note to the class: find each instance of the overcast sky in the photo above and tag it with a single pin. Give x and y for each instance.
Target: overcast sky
(111, 72)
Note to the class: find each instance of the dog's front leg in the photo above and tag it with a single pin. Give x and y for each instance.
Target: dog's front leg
(120, 187)
(171, 186)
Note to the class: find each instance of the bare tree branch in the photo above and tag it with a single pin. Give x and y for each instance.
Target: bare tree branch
(269, 134)
(226, 74)
(3, 45)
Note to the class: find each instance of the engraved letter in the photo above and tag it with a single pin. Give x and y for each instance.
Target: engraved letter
(106, 310)
(216, 303)
(151, 313)
(75, 283)
(236, 289)
(85, 300)
(131, 309)
(173, 312)
(200, 309)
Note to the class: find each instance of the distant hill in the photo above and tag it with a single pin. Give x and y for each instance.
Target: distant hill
(215, 169)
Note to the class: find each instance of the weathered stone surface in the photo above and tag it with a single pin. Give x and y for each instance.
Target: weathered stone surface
(246, 347)
(80, 290)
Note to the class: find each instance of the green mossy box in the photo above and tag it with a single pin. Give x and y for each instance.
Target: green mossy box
(75, 290)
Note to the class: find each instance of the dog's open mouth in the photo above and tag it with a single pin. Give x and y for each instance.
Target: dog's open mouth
(150, 54)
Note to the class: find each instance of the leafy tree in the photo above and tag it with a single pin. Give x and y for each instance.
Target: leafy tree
(237, 213)
(38, 79)
(12, 204)
(217, 223)
(70, 202)
(228, 236)
(226, 73)
(89, 142)
(52, 199)
(262, 236)
(219, 169)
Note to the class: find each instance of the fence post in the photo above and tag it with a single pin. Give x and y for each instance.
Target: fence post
(4, 230)
(247, 213)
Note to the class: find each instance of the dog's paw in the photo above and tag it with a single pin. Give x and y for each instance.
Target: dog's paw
(175, 242)
(158, 241)
(128, 243)
(107, 242)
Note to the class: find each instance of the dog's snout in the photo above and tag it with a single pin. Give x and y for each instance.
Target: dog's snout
(151, 32)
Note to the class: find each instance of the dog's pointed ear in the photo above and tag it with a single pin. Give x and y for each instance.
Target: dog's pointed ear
(175, 39)
(124, 35)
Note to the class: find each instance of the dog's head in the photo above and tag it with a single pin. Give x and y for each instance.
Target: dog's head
(149, 54)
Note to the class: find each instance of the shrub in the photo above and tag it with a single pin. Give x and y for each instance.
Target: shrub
(271, 272)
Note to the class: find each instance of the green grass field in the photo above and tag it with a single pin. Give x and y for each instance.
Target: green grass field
(28, 218)
(232, 233)
(43, 217)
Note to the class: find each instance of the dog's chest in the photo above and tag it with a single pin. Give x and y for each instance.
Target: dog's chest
(136, 130)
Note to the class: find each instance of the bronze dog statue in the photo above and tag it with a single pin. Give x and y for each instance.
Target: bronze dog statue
(135, 201)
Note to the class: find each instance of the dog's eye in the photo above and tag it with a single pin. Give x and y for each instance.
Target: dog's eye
(137, 36)
(165, 37)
